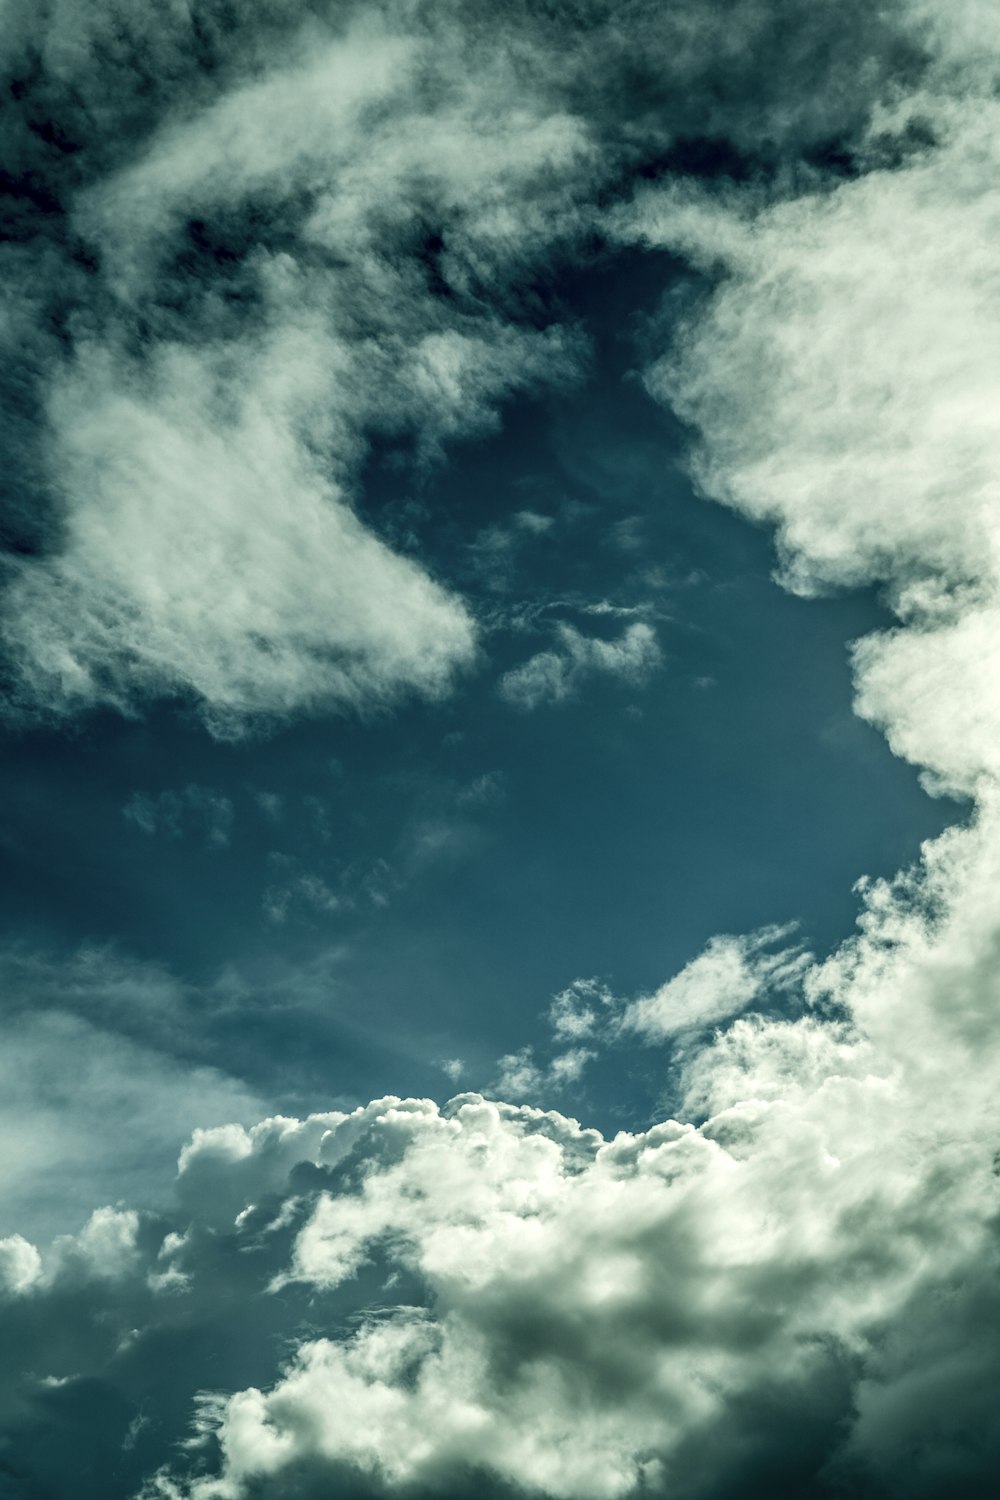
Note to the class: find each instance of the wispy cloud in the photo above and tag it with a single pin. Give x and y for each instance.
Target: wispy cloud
(554, 676)
(172, 813)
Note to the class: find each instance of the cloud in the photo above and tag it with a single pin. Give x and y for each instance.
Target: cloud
(520, 1076)
(271, 805)
(725, 979)
(98, 1079)
(209, 546)
(169, 812)
(554, 676)
(799, 1293)
(104, 1124)
(495, 1291)
(842, 385)
(576, 1012)
(174, 577)
(594, 1318)
(243, 246)
(303, 891)
(607, 1315)
(20, 1264)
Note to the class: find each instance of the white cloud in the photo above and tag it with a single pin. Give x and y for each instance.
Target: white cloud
(20, 1264)
(811, 1271)
(255, 197)
(598, 1311)
(553, 676)
(843, 381)
(209, 555)
(609, 1318)
(584, 1318)
(520, 1076)
(576, 1012)
(727, 977)
(209, 546)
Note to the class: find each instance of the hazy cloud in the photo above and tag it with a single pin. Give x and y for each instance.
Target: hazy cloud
(172, 813)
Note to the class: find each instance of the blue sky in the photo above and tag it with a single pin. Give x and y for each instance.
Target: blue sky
(416, 885)
(499, 608)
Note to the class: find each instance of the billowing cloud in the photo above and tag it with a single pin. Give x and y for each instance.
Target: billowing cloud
(653, 1314)
(844, 389)
(595, 1318)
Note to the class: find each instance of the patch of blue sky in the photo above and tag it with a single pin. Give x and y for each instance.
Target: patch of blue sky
(357, 899)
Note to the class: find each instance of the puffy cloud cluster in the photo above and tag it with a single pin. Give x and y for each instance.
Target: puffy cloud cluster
(800, 1291)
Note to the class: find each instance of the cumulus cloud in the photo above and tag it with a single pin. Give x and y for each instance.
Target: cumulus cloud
(554, 676)
(499, 1296)
(643, 1315)
(599, 1318)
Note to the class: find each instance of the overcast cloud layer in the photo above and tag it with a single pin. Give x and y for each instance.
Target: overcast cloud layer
(248, 250)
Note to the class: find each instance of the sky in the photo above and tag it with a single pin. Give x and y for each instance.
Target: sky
(499, 613)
